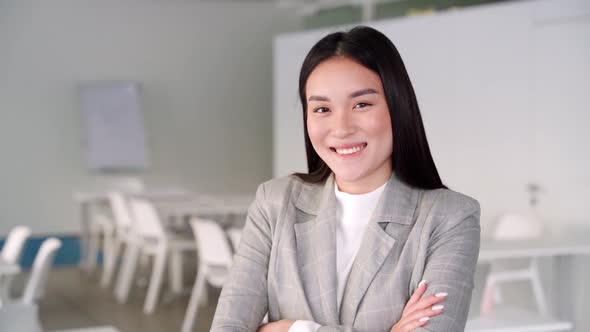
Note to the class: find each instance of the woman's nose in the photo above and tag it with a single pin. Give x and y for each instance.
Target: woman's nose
(342, 124)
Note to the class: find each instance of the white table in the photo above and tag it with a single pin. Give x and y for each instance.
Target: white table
(89, 200)
(570, 243)
(221, 208)
(215, 205)
(563, 247)
(178, 203)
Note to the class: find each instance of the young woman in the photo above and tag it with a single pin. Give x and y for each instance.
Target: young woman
(369, 239)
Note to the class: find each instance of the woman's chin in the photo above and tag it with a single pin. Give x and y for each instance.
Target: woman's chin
(350, 177)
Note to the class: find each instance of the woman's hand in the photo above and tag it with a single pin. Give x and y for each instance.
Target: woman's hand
(418, 310)
(279, 326)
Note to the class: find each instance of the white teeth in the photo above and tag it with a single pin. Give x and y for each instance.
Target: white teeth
(350, 150)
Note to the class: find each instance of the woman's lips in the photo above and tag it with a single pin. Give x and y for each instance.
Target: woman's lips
(349, 149)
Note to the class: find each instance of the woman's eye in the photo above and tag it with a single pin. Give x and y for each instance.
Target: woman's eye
(362, 105)
(321, 110)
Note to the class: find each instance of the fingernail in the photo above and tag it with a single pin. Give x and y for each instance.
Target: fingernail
(421, 283)
(441, 294)
(423, 319)
(438, 307)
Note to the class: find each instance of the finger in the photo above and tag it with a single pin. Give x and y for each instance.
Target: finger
(435, 310)
(421, 314)
(414, 324)
(417, 293)
(426, 302)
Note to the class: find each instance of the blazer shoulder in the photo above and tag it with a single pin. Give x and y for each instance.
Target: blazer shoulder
(281, 190)
(450, 212)
(450, 204)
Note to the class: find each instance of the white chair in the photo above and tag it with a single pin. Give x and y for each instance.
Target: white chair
(215, 259)
(496, 317)
(11, 253)
(35, 287)
(90, 205)
(514, 227)
(93, 204)
(117, 236)
(15, 242)
(148, 237)
(101, 228)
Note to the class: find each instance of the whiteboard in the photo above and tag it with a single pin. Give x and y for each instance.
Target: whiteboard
(115, 134)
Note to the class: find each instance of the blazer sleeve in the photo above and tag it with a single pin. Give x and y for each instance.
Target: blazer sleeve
(243, 301)
(450, 267)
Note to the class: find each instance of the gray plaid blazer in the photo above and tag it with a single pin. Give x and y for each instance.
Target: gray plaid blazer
(286, 261)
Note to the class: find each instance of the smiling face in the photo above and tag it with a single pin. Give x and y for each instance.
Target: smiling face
(349, 125)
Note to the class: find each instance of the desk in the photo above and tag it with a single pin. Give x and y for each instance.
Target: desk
(571, 243)
(221, 205)
(89, 200)
(562, 247)
(174, 202)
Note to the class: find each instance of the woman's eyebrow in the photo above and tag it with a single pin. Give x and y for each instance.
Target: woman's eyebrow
(352, 95)
(318, 98)
(362, 92)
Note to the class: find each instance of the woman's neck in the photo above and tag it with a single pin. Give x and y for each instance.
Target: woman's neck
(363, 186)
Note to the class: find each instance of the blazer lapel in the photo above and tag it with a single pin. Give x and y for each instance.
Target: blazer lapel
(393, 214)
(316, 251)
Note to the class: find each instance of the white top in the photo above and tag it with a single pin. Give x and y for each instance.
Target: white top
(354, 213)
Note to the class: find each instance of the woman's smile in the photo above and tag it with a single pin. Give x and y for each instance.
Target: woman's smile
(349, 150)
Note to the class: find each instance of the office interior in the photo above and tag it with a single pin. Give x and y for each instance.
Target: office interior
(201, 107)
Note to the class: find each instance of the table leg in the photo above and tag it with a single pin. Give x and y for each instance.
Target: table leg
(84, 235)
(563, 289)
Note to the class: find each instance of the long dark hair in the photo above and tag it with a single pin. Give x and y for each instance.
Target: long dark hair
(411, 158)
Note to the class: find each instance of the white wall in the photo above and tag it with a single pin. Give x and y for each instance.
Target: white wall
(503, 91)
(205, 69)
(503, 94)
